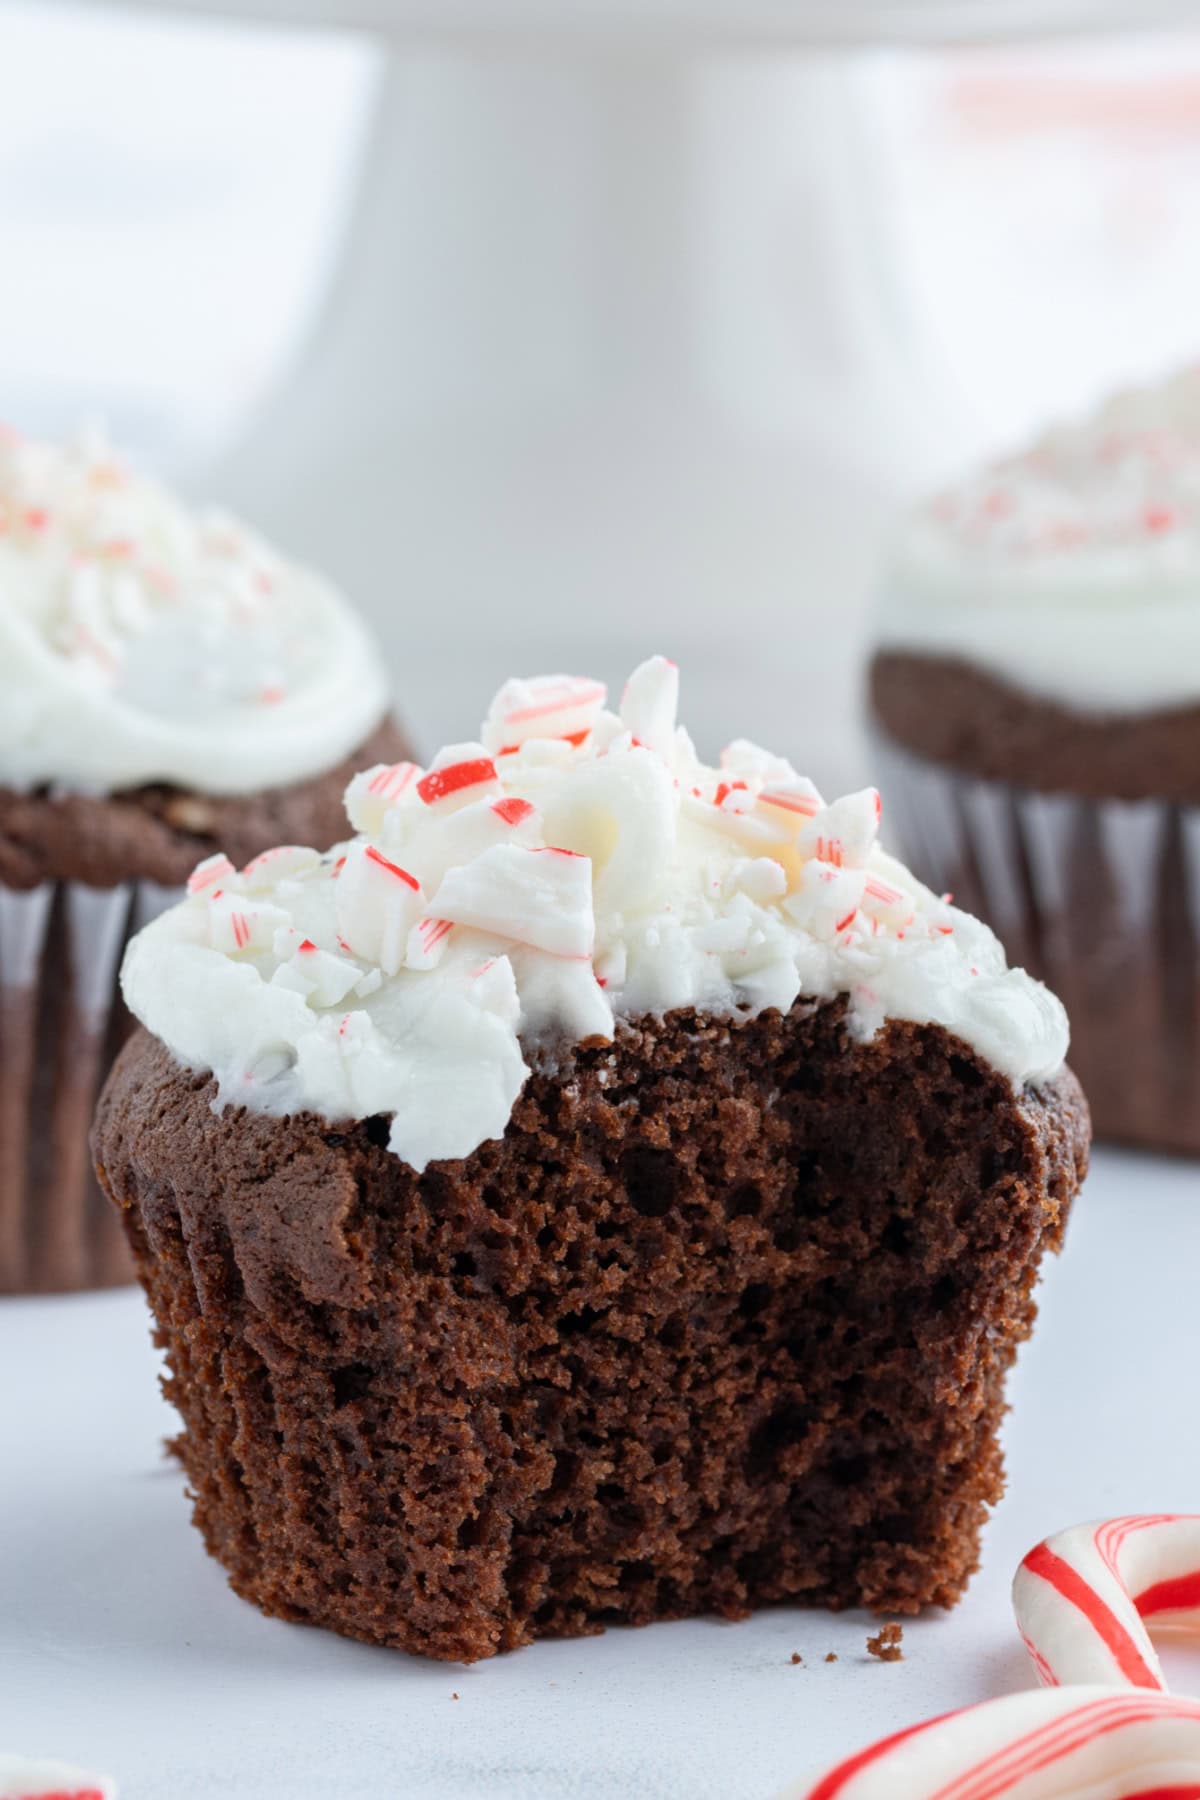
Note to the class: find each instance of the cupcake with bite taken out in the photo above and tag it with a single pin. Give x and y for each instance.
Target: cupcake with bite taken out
(605, 1188)
(1036, 690)
(168, 684)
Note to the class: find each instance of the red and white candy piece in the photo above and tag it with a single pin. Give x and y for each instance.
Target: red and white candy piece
(377, 902)
(459, 774)
(465, 835)
(1079, 1743)
(789, 804)
(238, 923)
(886, 903)
(650, 704)
(213, 872)
(1082, 1598)
(548, 706)
(427, 943)
(373, 793)
(537, 897)
(286, 862)
(826, 900)
(844, 832)
(28, 1778)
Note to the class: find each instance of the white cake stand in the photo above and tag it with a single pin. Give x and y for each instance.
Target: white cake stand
(613, 358)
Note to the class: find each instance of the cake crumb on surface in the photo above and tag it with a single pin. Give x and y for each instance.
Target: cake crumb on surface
(885, 1645)
(796, 1657)
(831, 1656)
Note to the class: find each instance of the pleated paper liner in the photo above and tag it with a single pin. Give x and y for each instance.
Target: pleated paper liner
(61, 1024)
(1098, 898)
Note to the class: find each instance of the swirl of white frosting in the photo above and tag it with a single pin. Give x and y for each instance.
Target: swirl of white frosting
(572, 868)
(1072, 569)
(141, 642)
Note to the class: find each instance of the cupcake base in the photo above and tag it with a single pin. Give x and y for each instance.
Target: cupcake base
(723, 1320)
(1100, 899)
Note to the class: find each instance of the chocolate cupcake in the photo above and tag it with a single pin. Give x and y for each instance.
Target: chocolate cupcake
(168, 684)
(1036, 690)
(606, 1189)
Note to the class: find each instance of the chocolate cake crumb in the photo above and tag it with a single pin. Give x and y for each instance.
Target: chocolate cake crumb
(796, 1657)
(727, 1328)
(830, 1656)
(885, 1645)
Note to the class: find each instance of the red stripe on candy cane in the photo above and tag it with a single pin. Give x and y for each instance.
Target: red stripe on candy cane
(91, 1793)
(512, 810)
(1041, 1748)
(1051, 1568)
(1189, 1791)
(837, 1780)
(375, 856)
(1180, 1595)
(453, 779)
(578, 693)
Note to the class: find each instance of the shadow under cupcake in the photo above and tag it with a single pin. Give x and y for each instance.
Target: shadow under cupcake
(1036, 699)
(168, 684)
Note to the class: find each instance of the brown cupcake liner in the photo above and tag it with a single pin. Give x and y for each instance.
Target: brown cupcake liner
(1100, 899)
(62, 1022)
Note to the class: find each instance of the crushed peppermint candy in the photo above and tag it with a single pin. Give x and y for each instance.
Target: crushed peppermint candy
(572, 868)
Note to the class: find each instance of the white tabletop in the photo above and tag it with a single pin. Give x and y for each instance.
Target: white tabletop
(122, 1648)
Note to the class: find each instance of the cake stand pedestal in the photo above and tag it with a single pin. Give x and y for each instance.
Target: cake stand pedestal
(613, 359)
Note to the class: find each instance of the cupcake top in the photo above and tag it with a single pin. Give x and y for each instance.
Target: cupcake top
(141, 642)
(1072, 569)
(573, 868)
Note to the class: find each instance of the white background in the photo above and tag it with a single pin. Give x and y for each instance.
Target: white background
(952, 249)
(122, 1648)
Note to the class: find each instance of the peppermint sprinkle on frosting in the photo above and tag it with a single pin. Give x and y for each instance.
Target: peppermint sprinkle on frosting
(142, 642)
(571, 868)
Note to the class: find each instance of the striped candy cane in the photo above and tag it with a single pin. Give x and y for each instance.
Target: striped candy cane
(24, 1779)
(1078, 1743)
(1081, 1597)
(1114, 1733)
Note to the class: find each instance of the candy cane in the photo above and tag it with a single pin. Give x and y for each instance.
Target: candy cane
(1061, 1744)
(1081, 1597)
(1081, 1600)
(22, 1778)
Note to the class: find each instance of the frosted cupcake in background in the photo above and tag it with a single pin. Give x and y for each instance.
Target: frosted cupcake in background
(1036, 686)
(168, 684)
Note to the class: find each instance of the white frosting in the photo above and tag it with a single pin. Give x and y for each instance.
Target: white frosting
(26, 1778)
(1072, 569)
(571, 869)
(140, 642)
